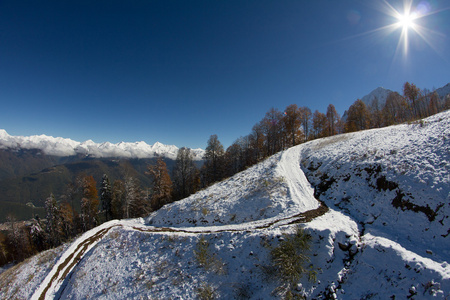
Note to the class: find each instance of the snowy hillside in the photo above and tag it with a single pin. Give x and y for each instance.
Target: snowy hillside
(380, 231)
(395, 181)
(67, 147)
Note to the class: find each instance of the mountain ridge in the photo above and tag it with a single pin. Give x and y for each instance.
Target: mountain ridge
(57, 146)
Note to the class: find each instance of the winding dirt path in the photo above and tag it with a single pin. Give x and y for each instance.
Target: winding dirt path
(300, 190)
(70, 258)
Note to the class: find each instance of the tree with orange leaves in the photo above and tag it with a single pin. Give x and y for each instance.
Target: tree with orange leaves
(358, 117)
(162, 184)
(89, 203)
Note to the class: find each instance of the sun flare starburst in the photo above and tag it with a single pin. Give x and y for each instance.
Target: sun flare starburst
(408, 20)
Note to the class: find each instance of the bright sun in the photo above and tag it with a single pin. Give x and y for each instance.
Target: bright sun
(406, 21)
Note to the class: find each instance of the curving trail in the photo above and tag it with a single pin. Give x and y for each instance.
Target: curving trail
(67, 262)
(300, 191)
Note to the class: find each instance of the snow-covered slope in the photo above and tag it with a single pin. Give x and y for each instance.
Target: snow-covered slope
(271, 190)
(394, 180)
(384, 234)
(67, 147)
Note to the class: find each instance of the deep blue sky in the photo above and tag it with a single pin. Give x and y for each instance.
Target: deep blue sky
(178, 71)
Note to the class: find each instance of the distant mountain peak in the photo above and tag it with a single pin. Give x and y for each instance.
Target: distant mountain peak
(443, 91)
(379, 93)
(3, 133)
(67, 147)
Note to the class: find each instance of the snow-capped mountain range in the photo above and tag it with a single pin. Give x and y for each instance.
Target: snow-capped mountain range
(58, 146)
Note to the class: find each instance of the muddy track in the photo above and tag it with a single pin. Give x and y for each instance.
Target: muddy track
(64, 268)
(303, 217)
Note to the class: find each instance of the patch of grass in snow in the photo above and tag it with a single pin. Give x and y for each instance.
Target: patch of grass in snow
(242, 292)
(170, 238)
(289, 263)
(30, 277)
(419, 122)
(232, 217)
(161, 268)
(270, 184)
(206, 259)
(46, 256)
(7, 278)
(204, 211)
(206, 292)
(329, 140)
(113, 234)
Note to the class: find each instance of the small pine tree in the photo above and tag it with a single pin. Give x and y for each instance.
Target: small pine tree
(38, 235)
(135, 204)
(118, 200)
(54, 225)
(106, 197)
